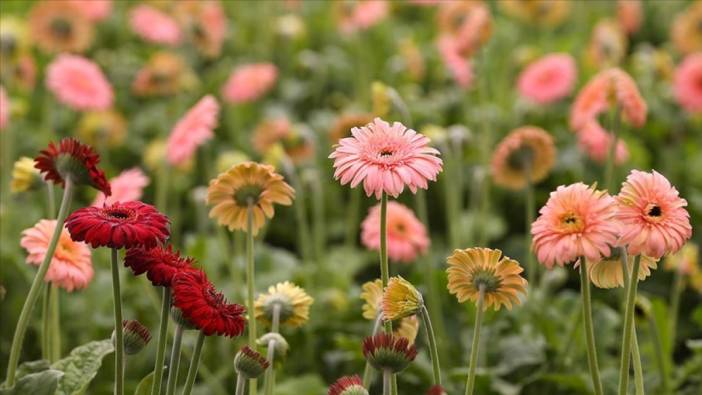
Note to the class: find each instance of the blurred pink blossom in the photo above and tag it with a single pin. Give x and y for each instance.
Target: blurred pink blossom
(154, 25)
(364, 15)
(192, 130)
(79, 83)
(595, 141)
(126, 187)
(687, 83)
(460, 67)
(4, 108)
(548, 79)
(94, 10)
(249, 82)
(407, 236)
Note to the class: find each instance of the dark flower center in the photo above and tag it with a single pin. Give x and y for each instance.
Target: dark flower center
(247, 194)
(654, 211)
(119, 213)
(488, 279)
(571, 222)
(385, 153)
(61, 28)
(521, 158)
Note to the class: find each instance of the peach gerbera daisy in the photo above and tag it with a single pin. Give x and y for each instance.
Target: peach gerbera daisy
(361, 15)
(468, 22)
(4, 108)
(245, 185)
(407, 236)
(249, 82)
(576, 221)
(595, 141)
(93, 10)
(687, 83)
(192, 130)
(608, 273)
(128, 186)
(205, 23)
(608, 44)
(548, 79)
(153, 25)
(685, 29)
(473, 269)
(525, 156)
(59, 26)
(386, 159)
(79, 83)
(71, 267)
(629, 15)
(653, 217)
(460, 67)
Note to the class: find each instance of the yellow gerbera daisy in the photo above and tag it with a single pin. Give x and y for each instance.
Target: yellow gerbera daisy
(475, 268)
(107, 126)
(24, 175)
(607, 273)
(293, 302)
(372, 294)
(245, 185)
(400, 299)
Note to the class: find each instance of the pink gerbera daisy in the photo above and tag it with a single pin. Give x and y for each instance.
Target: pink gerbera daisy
(576, 221)
(459, 66)
(71, 267)
(687, 83)
(363, 15)
(192, 130)
(595, 141)
(154, 25)
(79, 83)
(386, 159)
(126, 187)
(548, 79)
(93, 10)
(4, 108)
(653, 216)
(407, 236)
(249, 82)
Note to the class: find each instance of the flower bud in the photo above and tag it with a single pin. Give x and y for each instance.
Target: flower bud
(249, 363)
(387, 352)
(136, 336)
(348, 385)
(279, 343)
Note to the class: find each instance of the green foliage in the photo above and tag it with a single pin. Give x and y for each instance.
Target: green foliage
(80, 366)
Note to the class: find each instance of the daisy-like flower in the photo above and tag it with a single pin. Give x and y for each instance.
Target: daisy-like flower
(164, 74)
(4, 108)
(467, 22)
(387, 352)
(71, 267)
(248, 83)
(292, 301)
(348, 385)
(525, 156)
(361, 15)
(538, 12)
(629, 15)
(687, 83)
(475, 268)
(119, 225)
(231, 158)
(247, 184)
(128, 186)
(386, 159)
(93, 10)
(548, 79)
(372, 295)
(459, 66)
(161, 264)
(205, 307)
(595, 141)
(407, 236)
(71, 159)
(106, 127)
(653, 218)
(24, 175)
(136, 336)
(297, 145)
(60, 26)
(192, 130)
(607, 273)
(608, 44)
(204, 23)
(686, 260)
(401, 299)
(154, 25)
(250, 363)
(344, 123)
(79, 83)
(685, 30)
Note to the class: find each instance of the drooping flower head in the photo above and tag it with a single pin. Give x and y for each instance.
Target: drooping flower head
(344, 123)
(24, 175)
(687, 83)
(250, 363)
(475, 268)
(576, 221)
(525, 156)
(360, 15)
(437, 390)
(204, 23)
(348, 385)
(652, 215)
(154, 25)
(71, 159)
(205, 307)
(119, 225)
(401, 299)
(388, 352)
(108, 128)
(297, 145)
(386, 159)
(244, 185)
(136, 336)
(685, 30)
(595, 141)
(548, 79)
(59, 26)
(164, 74)
(192, 130)
(292, 302)
(71, 267)
(128, 186)
(406, 235)
(608, 273)
(161, 264)
(79, 83)
(247, 83)
(372, 295)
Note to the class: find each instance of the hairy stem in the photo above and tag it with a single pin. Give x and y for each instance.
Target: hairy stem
(194, 364)
(253, 389)
(589, 331)
(174, 364)
(433, 350)
(162, 337)
(119, 333)
(479, 311)
(628, 328)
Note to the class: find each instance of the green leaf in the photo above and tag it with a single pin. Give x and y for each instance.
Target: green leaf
(42, 383)
(32, 367)
(81, 366)
(144, 387)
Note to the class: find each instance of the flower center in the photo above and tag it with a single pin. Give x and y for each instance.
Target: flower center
(488, 279)
(284, 305)
(654, 212)
(61, 28)
(521, 158)
(400, 228)
(119, 213)
(248, 194)
(385, 153)
(571, 222)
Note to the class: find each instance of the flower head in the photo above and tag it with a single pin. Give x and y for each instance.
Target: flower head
(60, 26)
(685, 32)
(165, 73)
(401, 299)
(249, 82)
(192, 130)
(437, 390)
(344, 123)
(79, 83)
(154, 25)
(24, 175)
(596, 142)
(607, 273)
(538, 12)
(459, 66)
(4, 108)
(250, 363)
(499, 277)
(247, 184)
(107, 127)
(607, 47)
(686, 260)
(525, 156)
(687, 83)
(576, 221)
(348, 385)
(136, 336)
(388, 352)
(362, 15)
(205, 24)
(205, 307)
(372, 294)
(468, 23)
(128, 186)
(71, 159)
(548, 79)
(119, 225)
(407, 236)
(70, 268)
(296, 144)
(386, 158)
(161, 264)
(652, 215)
(93, 10)
(629, 15)
(292, 302)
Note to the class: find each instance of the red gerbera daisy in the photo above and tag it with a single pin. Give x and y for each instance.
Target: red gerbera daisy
(71, 158)
(348, 385)
(119, 225)
(206, 308)
(160, 264)
(436, 390)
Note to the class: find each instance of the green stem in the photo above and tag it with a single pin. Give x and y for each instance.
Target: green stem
(384, 268)
(240, 384)
(660, 355)
(174, 364)
(612, 153)
(45, 323)
(531, 263)
(162, 337)
(479, 310)
(318, 218)
(638, 369)
(51, 200)
(253, 389)
(589, 331)
(35, 289)
(269, 379)
(628, 328)
(433, 351)
(303, 234)
(119, 333)
(194, 364)
(162, 188)
(387, 382)
(55, 319)
(368, 371)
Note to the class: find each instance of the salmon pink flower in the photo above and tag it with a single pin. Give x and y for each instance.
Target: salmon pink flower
(79, 83)
(469, 23)
(161, 264)
(126, 187)
(386, 159)
(407, 236)
(206, 24)
(548, 79)
(460, 67)
(154, 25)
(249, 82)
(363, 15)
(191, 131)
(70, 268)
(629, 15)
(687, 83)
(59, 26)
(93, 10)
(595, 141)
(72, 159)
(4, 109)
(652, 214)
(576, 221)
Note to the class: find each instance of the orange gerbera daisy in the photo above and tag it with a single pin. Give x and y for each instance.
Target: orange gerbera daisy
(685, 30)
(372, 295)
(58, 26)
(527, 154)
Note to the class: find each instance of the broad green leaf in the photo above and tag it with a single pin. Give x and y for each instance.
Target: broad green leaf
(81, 366)
(30, 367)
(144, 387)
(42, 383)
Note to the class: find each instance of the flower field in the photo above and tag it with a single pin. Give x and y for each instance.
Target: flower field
(350, 197)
